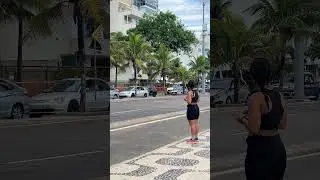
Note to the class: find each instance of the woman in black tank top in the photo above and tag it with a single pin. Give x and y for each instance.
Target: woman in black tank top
(266, 154)
(193, 112)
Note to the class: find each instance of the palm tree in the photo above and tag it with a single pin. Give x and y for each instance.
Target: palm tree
(183, 75)
(175, 64)
(150, 66)
(236, 45)
(34, 20)
(287, 18)
(136, 50)
(165, 57)
(200, 66)
(118, 57)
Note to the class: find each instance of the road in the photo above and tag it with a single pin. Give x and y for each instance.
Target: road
(56, 151)
(130, 109)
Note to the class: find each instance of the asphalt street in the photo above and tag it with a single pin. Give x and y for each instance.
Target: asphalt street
(57, 151)
(130, 109)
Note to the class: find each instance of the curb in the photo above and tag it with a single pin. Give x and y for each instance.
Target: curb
(125, 123)
(237, 161)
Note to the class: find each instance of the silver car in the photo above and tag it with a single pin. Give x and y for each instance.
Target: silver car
(222, 91)
(64, 96)
(13, 100)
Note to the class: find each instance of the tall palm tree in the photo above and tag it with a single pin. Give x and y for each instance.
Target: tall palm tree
(118, 58)
(200, 65)
(183, 75)
(236, 45)
(175, 64)
(34, 20)
(287, 18)
(165, 57)
(136, 50)
(150, 66)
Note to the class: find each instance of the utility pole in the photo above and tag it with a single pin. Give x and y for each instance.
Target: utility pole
(203, 46)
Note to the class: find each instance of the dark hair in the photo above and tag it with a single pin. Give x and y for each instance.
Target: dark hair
(261, 73)
(191, 84)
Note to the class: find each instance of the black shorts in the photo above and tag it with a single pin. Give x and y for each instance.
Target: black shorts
(193, 112)
(266, 158)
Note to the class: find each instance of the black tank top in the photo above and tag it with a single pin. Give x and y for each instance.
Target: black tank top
(271, 120)
(195, 96)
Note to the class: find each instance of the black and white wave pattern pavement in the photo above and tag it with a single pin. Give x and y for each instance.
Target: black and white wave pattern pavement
(176, 161)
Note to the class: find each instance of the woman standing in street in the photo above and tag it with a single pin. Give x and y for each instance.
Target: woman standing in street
(193, 111)
(266, 154)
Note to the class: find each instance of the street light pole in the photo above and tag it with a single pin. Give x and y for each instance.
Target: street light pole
(203, 46)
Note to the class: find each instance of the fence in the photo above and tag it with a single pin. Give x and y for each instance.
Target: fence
(39, 78)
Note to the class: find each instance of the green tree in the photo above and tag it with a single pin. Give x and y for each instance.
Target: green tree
(34, 20)
(117, 54)
(200, 65)
(183, 75)
(236, 45)
(150, 66)
(313, 51)
(175, 64)
(136, 51)
(165, 28)
(165, 58)
(287, 18)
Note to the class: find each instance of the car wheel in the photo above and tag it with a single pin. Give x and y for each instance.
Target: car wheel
(229, 100)
(73, 106)
(115, 96)
(145, 95)
(154, 94)
(17, 111)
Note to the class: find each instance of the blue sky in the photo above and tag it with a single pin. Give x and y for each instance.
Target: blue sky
(189, 11)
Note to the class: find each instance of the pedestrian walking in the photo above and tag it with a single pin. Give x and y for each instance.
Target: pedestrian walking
(267, 113)
(193, 112)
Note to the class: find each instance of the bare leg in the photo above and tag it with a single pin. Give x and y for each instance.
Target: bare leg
(193, 127)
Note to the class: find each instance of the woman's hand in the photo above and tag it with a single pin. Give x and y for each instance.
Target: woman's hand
(242, 116)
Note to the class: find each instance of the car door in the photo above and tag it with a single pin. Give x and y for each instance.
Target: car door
(138, 91)
(103, 95)
(5, 99)
(91, 95)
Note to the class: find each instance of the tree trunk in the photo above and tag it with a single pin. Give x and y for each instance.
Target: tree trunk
(116, 78)
(81, 57)
(164, 84)
(235, 83)
(135, 75)
(184, 85)
(20, 44)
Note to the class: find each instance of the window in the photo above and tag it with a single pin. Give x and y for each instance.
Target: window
(91, 85)
(3, 88)
(199, 49)
(127, 19)
(102, 86)
(217, 75)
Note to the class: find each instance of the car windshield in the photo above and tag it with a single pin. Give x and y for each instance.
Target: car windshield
(65, 86)
(223, 84)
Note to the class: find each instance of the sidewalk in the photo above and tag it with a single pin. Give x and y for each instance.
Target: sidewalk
(177, 160)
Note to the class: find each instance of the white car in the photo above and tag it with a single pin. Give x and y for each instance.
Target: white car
(64, 96)
(114, 93)
(133, 91)
(222, 91)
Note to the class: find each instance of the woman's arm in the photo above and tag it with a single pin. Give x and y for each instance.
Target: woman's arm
(189, 97)
(283, 121)
(254, 113)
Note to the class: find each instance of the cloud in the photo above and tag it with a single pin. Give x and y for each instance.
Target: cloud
(189, 11)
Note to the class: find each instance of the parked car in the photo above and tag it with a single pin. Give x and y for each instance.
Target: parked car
(311, 87)
(114, 93)
(152, 91)
(64, 96)
(177, 90)
(134, 91)
(14, 100)
(222, 91)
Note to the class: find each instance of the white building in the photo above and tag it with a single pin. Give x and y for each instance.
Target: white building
(49, 51)
(124, 15)
(196, 50)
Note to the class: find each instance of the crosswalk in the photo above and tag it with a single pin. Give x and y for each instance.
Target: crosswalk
(175, 161)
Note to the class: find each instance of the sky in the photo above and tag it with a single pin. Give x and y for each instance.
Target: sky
(189, 12)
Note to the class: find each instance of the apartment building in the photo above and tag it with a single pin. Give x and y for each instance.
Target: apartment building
(48, 53)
